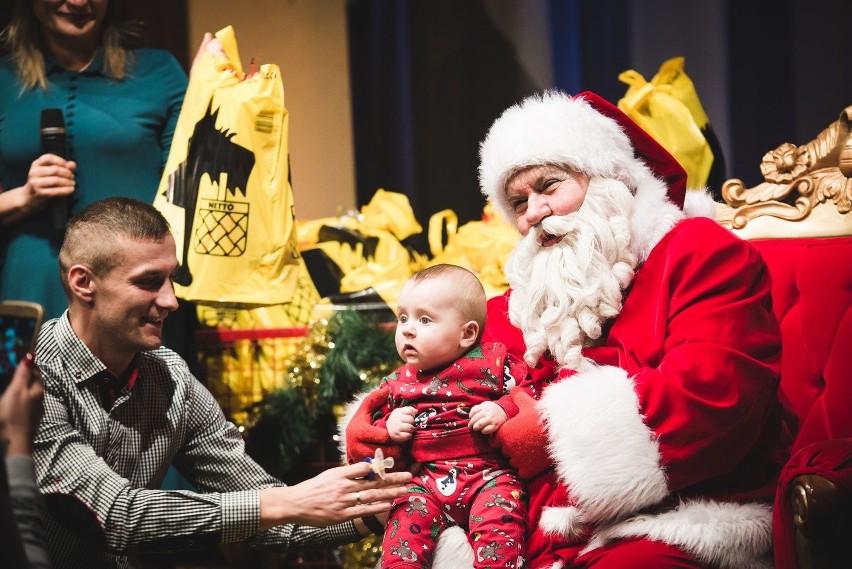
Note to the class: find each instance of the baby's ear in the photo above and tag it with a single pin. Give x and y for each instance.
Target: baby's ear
(470, 331)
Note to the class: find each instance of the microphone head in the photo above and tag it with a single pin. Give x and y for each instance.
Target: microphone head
(52, 120)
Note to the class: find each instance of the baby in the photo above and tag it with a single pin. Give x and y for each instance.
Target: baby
(439, 408)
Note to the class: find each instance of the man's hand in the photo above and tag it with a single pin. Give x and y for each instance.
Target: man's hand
(400, 424)
(486, 417)
(333, 496)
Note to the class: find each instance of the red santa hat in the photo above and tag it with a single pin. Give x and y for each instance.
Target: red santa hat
(585, 133)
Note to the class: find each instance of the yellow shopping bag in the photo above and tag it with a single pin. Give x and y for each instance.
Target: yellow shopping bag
(226, 187)
(668, 109)
(481, 246)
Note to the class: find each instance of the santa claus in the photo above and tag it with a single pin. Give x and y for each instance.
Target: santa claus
(659, 437)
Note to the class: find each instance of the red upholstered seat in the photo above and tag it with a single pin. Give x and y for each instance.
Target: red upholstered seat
(812, 298)
(801, 220)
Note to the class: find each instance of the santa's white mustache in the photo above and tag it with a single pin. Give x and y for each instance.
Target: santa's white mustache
(564, 228)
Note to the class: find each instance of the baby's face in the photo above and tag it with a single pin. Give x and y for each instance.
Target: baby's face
(430, 330)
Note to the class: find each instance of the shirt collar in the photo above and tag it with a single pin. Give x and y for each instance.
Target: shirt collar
(94, 68)
(85, 366)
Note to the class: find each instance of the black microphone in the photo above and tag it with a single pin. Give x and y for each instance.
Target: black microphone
(52, 130)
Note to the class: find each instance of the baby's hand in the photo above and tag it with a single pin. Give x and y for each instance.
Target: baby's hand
(486, 417)
(401, 424)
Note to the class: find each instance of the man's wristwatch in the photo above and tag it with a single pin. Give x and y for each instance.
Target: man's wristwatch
(373, 524)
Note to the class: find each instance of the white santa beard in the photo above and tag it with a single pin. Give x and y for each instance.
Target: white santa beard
(562, 294)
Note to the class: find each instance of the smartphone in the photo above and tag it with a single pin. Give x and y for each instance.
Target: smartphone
(20, 322)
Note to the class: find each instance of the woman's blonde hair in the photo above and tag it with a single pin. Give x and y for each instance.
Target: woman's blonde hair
(25, 41)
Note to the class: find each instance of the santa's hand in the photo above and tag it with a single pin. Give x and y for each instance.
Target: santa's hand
(362, 436)
(401, 424)
(523, 438)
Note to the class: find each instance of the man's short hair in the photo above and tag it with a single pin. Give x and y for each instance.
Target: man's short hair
(470, 294)
(91, 235)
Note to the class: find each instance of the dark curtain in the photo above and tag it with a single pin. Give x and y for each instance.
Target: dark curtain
(604, 52)
(166, 26)
(428, 78)
(788, 76)
(761, 78)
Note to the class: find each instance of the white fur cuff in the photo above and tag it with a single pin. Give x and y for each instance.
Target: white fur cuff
(719, 534)
(602, 449)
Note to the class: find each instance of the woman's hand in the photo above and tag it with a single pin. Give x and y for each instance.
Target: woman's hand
(21, 408)
(50, 177)
(209, 44)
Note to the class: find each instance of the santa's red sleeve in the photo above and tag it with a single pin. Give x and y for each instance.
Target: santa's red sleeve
(364, 434)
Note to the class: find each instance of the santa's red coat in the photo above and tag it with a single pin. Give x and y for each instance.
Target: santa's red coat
(677, 433)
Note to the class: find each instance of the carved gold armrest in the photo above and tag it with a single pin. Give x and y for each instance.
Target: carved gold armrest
(810, 185)
(817, 511)
(822, 520)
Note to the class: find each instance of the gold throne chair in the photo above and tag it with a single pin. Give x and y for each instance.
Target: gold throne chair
(800, 219)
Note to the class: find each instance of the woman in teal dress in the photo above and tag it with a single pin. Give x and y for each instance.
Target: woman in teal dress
(120, 105)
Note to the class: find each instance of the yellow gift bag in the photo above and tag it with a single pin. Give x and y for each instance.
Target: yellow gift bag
(482, 246)
(226, 189)
(668, 109)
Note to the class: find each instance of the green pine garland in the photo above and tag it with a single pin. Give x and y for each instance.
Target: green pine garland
(350, 355)
(362, 341)
(282, 431)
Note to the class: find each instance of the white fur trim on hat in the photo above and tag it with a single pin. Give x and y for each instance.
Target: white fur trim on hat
(554, 128)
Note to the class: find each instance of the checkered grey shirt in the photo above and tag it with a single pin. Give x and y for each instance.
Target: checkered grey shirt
(101, 471)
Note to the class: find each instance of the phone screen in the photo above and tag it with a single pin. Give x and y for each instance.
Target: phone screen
(18, 336)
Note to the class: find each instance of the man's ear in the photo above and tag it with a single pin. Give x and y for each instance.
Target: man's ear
(82, 283)
(470, 332)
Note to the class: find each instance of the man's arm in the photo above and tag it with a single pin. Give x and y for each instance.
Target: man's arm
(684, 387)
(719, 363)
(20, 413)
(216, 461)
(112, 513)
